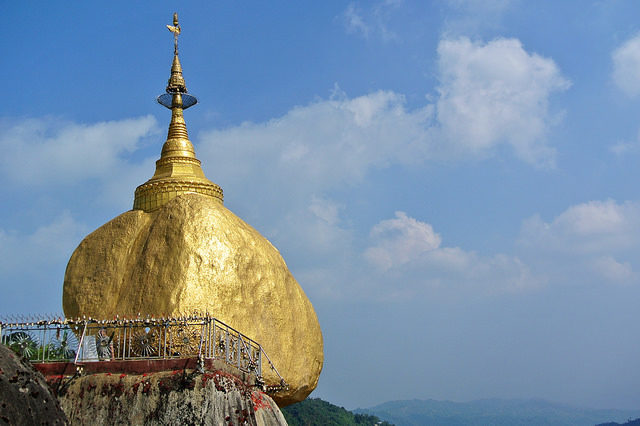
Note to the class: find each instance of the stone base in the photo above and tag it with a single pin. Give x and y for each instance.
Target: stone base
(179, 397)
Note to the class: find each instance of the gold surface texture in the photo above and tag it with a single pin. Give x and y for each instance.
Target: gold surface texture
(180, 250)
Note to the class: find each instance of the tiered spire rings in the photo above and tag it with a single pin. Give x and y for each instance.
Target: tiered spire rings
(178, 170)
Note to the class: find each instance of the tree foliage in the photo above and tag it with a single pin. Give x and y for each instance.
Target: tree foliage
(316, 412)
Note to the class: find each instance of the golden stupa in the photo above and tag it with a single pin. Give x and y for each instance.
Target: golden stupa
(181, 250)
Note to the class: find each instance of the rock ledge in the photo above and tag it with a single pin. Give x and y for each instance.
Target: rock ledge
(180, 397)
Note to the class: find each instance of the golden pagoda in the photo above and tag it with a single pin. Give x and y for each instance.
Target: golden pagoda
(180, 250)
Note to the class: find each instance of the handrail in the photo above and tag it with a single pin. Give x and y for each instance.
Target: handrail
(282, 384)
(54, 338)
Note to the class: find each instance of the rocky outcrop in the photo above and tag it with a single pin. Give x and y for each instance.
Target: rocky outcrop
(25, 398)
(180, 397)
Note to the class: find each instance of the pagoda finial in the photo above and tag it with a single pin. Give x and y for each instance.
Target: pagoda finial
(176, 82)
(175, 29)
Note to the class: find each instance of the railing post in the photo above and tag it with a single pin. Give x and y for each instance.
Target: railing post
(120, 348)
(167, 338)
(170, 339)
(43, 343)
(201, 340)
(75, 361)
(214, 340)
(124, 341)
(226, 348)
(130, 334)
(208, 345)
(209, 342)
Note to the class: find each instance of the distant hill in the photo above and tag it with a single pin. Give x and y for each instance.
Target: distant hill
(493, 412)
(635, 422)
(316, 412)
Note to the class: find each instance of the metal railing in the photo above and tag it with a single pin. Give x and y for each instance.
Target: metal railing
(89, 340)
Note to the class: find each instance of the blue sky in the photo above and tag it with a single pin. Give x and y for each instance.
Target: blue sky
(454, 183)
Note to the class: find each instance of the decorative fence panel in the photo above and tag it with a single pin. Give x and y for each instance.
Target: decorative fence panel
(90, 340)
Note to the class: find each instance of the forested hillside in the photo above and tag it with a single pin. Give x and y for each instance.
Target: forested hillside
(316, 412)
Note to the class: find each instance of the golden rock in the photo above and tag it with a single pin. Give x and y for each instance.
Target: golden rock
(193, 254)
(182, 251)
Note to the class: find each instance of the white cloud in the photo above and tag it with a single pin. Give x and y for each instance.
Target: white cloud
(354, 22)
(490, 95)
(370, 21)
(315, 229)
(118, 188)
(467, 17)
(496, 93)
(597, 241)
(479, 6)
(321, 145)
(612, 270)
(592, 227)
(44, 151)
(412, 252)
(324, 209)
(400, 240)
(621, 148)
(594, 243)
(626, 66)
(594, 218)
(36, 261)
(625, 147)
(50, 244)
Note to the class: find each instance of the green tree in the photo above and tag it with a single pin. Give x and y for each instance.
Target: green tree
(316, 412)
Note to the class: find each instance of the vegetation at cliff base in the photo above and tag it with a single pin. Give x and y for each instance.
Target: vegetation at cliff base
(316, 412)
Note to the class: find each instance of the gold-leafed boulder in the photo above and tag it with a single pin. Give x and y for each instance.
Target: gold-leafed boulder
(194, 255)
(180, 250)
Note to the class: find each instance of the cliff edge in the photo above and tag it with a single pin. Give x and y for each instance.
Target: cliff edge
(25, 398)
(180, 397)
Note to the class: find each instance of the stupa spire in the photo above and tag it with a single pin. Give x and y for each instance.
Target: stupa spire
(178, 171)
